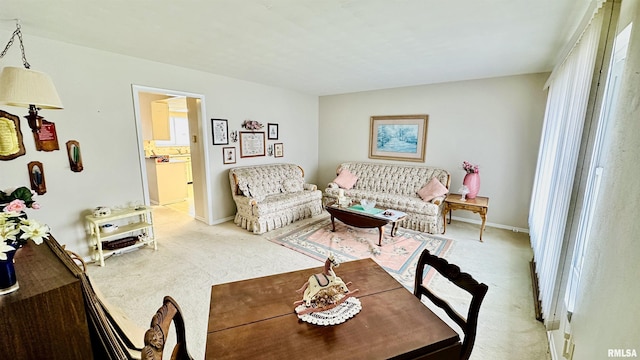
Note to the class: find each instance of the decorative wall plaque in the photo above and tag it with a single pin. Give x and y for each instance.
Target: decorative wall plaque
(11, 145)
(75, 159)
(36, 177)
(46, 139)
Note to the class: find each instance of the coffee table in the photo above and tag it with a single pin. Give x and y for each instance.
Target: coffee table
(360, 218)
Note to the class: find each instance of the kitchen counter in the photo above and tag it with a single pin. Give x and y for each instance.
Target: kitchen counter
(167, 181)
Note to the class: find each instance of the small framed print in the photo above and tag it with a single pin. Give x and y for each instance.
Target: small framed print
(228, 155)
(278, 150)
(220, 131)
(272, 131)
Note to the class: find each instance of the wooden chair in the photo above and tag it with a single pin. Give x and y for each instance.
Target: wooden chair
(462, 280)
(156, 337)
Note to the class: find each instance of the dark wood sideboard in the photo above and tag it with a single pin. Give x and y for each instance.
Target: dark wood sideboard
(45, 318)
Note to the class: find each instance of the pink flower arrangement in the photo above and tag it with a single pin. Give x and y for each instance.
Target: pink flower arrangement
(15, 228)
(470, 168)
(252, 125)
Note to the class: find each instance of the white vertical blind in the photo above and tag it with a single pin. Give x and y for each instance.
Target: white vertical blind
(592, 187)
(557, 158)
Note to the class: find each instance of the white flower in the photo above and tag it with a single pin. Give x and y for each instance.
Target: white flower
(34, 231)
(8, 231)
(4, 248)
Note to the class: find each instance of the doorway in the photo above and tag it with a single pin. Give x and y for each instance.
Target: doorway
(171, 143)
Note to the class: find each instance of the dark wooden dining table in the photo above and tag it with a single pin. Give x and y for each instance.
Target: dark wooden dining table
(255, 318)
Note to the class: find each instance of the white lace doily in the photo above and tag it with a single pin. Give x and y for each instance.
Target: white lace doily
(339, 314)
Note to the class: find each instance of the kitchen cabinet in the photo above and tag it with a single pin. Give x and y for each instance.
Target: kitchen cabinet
(129, 222)
(178, 133)
(167, 181)
(160, 121)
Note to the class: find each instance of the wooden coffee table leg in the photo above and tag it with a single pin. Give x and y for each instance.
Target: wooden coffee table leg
(380, 232)
(333, 223)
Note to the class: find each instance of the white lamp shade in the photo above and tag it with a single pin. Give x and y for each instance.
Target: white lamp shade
(24, 87)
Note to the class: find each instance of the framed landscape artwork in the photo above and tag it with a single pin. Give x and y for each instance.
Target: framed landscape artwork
(220, 130)
(398, 137)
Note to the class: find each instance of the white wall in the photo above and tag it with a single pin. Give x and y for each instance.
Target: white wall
(95, 88)
(495, 123)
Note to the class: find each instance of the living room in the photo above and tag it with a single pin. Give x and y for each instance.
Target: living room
(495, 122)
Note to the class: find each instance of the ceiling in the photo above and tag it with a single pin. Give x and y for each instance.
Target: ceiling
(318, 47)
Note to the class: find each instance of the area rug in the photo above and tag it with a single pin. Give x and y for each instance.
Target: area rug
(398, 255)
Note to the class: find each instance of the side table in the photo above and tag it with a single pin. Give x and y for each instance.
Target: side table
(479, 205)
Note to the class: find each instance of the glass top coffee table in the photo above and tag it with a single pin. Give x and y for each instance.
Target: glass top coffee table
(358, 217)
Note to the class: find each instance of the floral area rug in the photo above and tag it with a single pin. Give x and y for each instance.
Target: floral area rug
(398, 255)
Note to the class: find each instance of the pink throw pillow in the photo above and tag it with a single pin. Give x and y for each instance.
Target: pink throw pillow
(345, 179)
(433, 189)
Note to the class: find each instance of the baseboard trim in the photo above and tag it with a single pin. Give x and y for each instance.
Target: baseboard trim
(223, 220)
(552, 346)
(499, 226)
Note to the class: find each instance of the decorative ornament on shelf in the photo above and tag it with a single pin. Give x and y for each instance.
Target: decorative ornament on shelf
(464, 190)
(15, 231)
(252, 125)
(471, 179)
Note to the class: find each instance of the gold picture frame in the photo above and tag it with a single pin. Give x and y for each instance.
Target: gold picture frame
(398, 137)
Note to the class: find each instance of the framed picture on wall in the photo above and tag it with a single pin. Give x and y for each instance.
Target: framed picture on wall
(220, 131)
(278, 150)
(272, 131)
(398, 137)
(252, 144)
(228, 155)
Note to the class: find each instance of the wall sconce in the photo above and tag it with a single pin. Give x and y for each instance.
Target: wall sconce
(27, 88)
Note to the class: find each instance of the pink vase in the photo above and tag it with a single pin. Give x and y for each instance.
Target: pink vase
(472, 182)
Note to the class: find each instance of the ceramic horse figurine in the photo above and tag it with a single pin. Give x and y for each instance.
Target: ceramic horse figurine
(325, 290)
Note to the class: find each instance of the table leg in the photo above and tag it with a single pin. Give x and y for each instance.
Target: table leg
(444, 222)
(380, 232)
(333, 224)
(484, 220)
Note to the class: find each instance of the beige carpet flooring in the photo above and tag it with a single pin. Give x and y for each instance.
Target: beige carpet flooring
(192, 256)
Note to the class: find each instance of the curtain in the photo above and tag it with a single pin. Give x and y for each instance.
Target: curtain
(567, 100)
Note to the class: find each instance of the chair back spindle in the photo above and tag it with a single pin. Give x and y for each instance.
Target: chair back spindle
(156, 337)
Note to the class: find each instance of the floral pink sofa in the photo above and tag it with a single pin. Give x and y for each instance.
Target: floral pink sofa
(271, 196)
(399, 187)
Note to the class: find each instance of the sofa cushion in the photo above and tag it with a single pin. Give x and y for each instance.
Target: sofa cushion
(292, 185)
(345, 179)
(257, 191)
(433, 189)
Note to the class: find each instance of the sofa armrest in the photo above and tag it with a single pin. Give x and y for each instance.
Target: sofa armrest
(312, 187)
(333, 185)
(438, 200)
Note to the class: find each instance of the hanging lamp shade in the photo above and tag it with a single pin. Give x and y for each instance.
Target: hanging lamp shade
(25, 87)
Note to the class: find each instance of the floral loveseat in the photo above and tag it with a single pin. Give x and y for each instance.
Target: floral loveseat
(271, 196)
(418, 191)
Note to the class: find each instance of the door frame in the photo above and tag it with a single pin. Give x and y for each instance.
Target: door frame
(207, 214)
